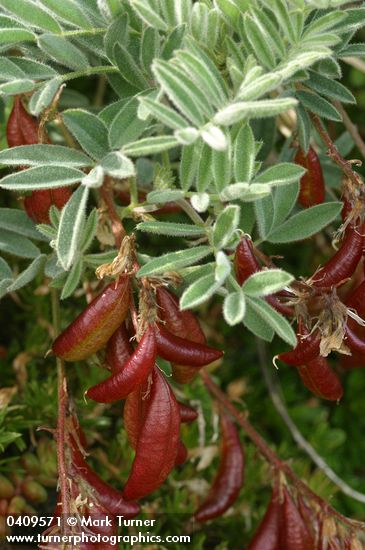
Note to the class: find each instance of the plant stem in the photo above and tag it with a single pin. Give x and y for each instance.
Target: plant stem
(106, 193)
(189, 210)
(62, 412)
(133, 191)
(271, 456)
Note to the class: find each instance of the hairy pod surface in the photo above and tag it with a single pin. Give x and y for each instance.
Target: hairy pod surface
(320, 379)
(118, 349)
(312, 188)
(228, 481)
(135, 372)
(158, 440)
(91, 330)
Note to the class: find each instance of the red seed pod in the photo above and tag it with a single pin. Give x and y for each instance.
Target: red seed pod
(134, 373)
(228, 481)
(91, 330)
(353, 361)
(119, 349)
(268, 532)
(109, 498)
(354, 342)
(321, 380)
(343, 263)
(37, 204)
(134, 413)
(182, 351)
(158, 440)
(312, 188)
(187, 414)
(22, 128)
(306, 349)
(294, 534)
(356, 300)
(182, 454)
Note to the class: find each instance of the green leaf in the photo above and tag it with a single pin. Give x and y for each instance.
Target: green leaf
(89, 130)
(13, 36)
(244, 154)
(71, 228)
(259, 86)
(318, 105)
(4, 284)
(94, 179)
(17, 245)
(353, 50)
(260, 42)
(171, 229)
(285, 199)
(28, 274)
(126, 125)
(329, 87)
(73, 279)
(63, 51)
(306, 223)
(326, 22)
(214, 137)
(266, 282)
(32, 13)
(149, 49)
(118, 166)
(245, 191)
(148, 14)
(199, 292)
(187, 136)
(221, 166)
(32, 69)
(354, 20)
(40, 154)
(128, 68)
(173, 41)
(117, 33)
(257, 325)
(226, 225)
(69, 11)
(90, 229)
(150, 146)
(17, 86)
(41, 177)
(164, 114)
(205, 173)
(304, 128)
(234, 308)
(223, 267)
(43, 97)
(5, 271)
(18, 222)
(264, 209)
(9, 70)
(189, 164)
(253, 109)
(281, 174)
(161, 196)
(200, 201)
(277, 322)
(173, 261)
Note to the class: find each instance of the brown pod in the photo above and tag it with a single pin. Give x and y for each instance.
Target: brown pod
(294, 534)
(267, 535)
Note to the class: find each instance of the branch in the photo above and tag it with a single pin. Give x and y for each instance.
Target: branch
(106, 192)
(279, 405)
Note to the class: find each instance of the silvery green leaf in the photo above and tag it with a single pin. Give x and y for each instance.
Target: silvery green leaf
(259, 87)
(171, 229)
(164, 114)
(150, 146)
(173, 261)
(4, 284)
(43, 97)
(126, 126)
(257, 325)
(47, 231)
(13, 36)
(117, 32)
(280, 174)
(326, 22)
(35, 70)
(17, 221)
(204, 176)
(260, 41)
(94, 179)
(285, 198)
(245, 191)
(63, 51)
(200, 202)
(41, 177)
(32, 13)
(225, 225)
(222, 166)
(214, 137)
(88, 130)
(9, 70)
(189, 164)
(199, 292)
(17, 86)
(73, 279)
(128, 68)
(277, 322)
(253, 109)
(318, 105)
(173, 41)
(69, 11)
(118, 165)
(234, 308)
(304, 128)
(223, 267)
(330, 88)
(244, 154)
(266, 282)
(353, 50)
(17, 245)
(264, 210)
(71, 227)
(90, 229)
(28, 274)
(40, 154)
(5, 271)
(148, 14)
(186, 136)
(95, 260)
(161, 196)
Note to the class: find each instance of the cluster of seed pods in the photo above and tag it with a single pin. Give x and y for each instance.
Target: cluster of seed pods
(152, 415)
(23, 129)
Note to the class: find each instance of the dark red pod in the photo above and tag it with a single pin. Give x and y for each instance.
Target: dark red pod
(22, 128)
(312, 187)
(356, 300)
(109, 498)
(182, 454)
(343, 263)
(353, 361)
(91, 330)
(267, 535)
(134, 373)
(158, 440)
(294, 534)
(38, 203)
(354, 342)
(306, 349)
(134, 413)
(119, 349)
(182, 351)
(321, 380)
(187, 414)
(228, 481)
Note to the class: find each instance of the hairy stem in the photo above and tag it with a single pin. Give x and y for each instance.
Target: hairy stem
(189, 210)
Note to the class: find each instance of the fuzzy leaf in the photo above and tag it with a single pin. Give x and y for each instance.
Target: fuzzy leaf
(171, 229)
(226, 225)
(318, 105)
(266, 282)
(28, 274)
(32, 13)
(173, 261)
(18, 222)
(43, 97)
(40, 154)
(73, 279)
(63, 51)
(280, 174)
(234, 308)
(89, 131)
(41, 177)
(253, 109)
(276, 321)
(150, 146)
(199, 292)
(244, 154)
(118, 166)
(17, 245)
